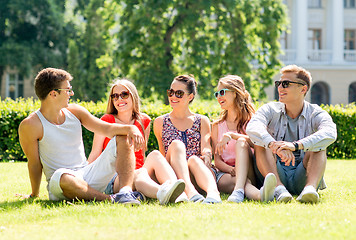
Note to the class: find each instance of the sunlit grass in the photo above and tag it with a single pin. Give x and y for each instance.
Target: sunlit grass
(333, 218)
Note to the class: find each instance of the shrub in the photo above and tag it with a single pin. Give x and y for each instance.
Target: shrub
(13, 112)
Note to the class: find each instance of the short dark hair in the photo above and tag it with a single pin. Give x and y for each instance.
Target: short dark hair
(49, 79)
(189, 81)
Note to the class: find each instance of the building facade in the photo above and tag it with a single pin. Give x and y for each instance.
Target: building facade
(322, 39)
(14, 85)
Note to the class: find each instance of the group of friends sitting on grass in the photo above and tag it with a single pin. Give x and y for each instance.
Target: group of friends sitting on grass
(266, 155)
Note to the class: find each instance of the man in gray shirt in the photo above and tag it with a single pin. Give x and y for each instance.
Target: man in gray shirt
(291, 137)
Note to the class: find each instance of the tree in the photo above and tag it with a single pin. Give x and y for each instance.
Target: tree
(85, 47)
(157, 40)
(32, 34)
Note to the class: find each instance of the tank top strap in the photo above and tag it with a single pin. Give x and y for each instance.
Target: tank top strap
(197, 122)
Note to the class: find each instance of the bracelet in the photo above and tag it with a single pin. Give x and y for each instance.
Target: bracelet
(296, 146)
(227, 135)
(209, 155)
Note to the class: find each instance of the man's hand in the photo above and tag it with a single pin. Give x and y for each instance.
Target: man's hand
(286, 156)
(279, 145)
(135, 138)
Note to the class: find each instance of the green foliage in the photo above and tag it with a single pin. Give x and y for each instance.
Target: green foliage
(85, 48)
(345, 119)
(32, 34)
(13, 112)
(157, 40)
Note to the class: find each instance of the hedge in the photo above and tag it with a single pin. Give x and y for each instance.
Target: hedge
(12, 112)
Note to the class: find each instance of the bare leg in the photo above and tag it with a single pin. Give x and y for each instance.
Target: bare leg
(266, 162)
(315, 164)
(77, 188)
(74, 187)
(145, 184)
(158, 168)
(242, 162)
(176, 156)
(203, 175)
(155, 167)
(125, 162)
(251, 191)
(226, 183)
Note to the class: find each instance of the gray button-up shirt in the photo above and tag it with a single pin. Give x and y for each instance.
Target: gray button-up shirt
(316, 128)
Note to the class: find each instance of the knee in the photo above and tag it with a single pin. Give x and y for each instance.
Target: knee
(67, 181)
(194, 161)
(155, 157)
(155, 154)
(177, 144)
(241, 143)
(140, 173)
(320, 155)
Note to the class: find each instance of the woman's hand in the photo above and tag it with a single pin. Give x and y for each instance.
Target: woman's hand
(207, 159)
(220, 147)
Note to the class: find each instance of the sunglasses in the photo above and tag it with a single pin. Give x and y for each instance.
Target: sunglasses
(69, 90)
(285, 83)
(221, 93)
(123, 95)
(178, 93)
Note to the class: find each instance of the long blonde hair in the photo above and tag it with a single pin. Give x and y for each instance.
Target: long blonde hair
(243, 102)
(110, 109)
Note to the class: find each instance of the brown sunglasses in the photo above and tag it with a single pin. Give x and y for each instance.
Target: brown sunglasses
(123, 95)
(178, 93)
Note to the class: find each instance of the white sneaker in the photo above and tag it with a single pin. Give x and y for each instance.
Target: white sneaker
(182, 198)
(269, 185)
(308, 195)
(169, 192)
(282, 195)
(236, 196)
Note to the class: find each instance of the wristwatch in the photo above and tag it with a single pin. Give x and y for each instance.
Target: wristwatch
(296, 146)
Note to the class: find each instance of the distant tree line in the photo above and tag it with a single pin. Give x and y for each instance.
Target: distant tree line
(148, 41)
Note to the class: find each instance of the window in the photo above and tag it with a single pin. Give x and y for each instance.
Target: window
(314, 39)
(320, 93)
(352, 92)
(314, 3)
(349, 3)
(350, 39)
(14, 86)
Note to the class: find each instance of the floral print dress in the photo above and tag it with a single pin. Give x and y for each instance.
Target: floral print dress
(190, 137)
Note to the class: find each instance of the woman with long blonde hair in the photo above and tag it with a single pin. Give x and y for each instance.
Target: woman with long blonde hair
(233, 149)
(124, 108)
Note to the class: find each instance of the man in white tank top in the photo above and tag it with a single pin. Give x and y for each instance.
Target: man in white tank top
(51, 138)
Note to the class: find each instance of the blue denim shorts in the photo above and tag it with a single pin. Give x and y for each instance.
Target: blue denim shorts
(110, 187)
(217, 174)
(294, 177)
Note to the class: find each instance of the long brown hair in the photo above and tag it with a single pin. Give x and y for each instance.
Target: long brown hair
(243, 102)
(110, 109)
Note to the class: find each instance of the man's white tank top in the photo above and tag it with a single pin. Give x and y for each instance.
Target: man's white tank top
(61, 145)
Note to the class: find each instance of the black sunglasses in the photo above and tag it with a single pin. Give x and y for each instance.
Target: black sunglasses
(123, 95)
(222, 92)
(178, 93)
(285, 83)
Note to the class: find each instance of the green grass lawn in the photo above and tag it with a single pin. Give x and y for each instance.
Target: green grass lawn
(333, 218)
